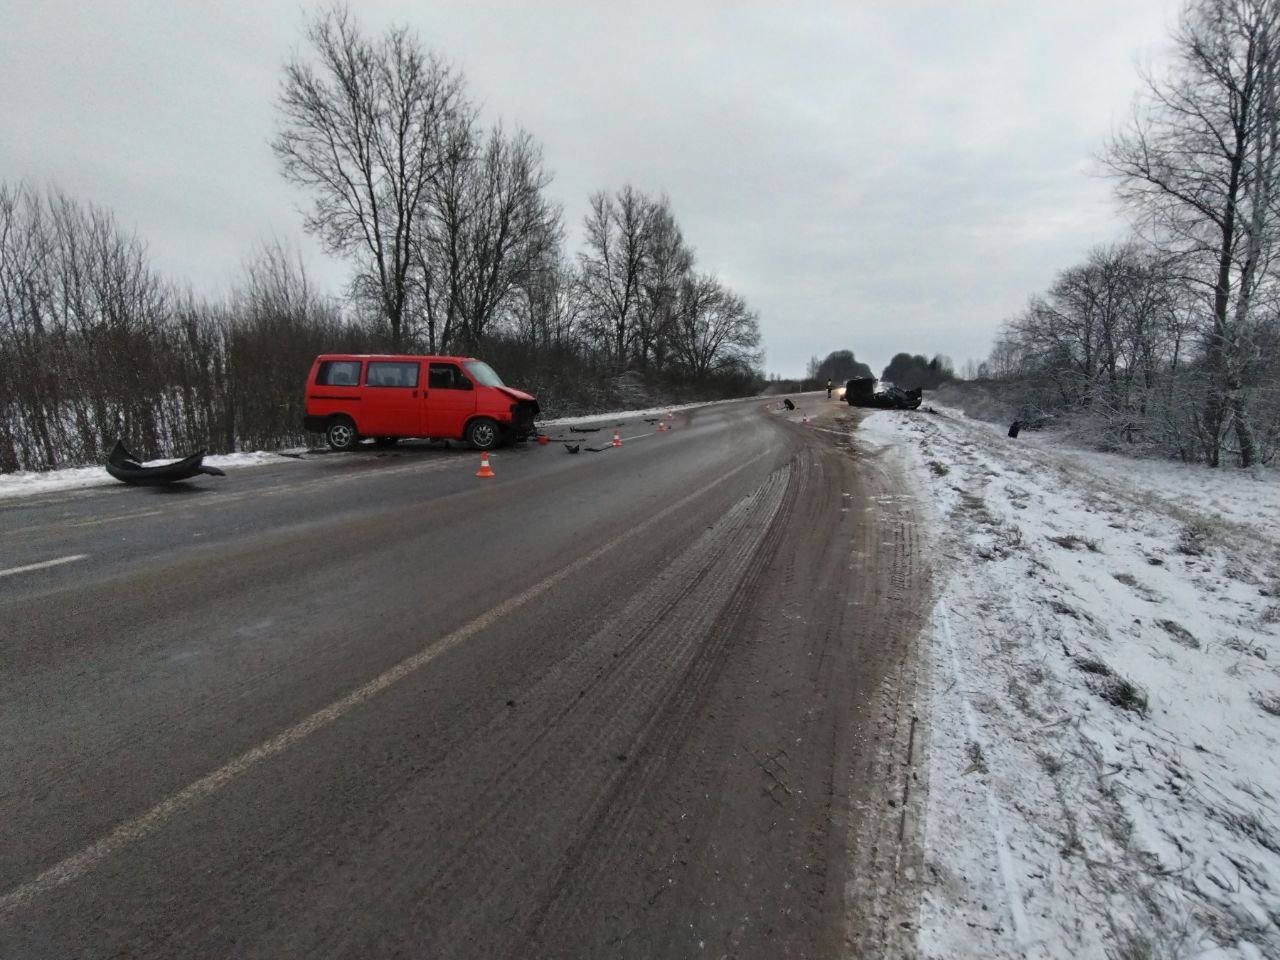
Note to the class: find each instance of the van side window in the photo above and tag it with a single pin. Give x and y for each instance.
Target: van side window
(391, 373)
(338, 373)
(446, 376)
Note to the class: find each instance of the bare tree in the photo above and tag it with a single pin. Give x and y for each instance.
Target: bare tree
(716, 330)
(547, 312)
(1199, 165)
(509, 230)
(614, 263)
(668, 263)
(361, 125)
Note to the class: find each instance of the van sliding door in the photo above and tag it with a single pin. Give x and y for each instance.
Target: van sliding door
(391, 407)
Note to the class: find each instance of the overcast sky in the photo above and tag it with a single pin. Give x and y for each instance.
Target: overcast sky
(874, 176)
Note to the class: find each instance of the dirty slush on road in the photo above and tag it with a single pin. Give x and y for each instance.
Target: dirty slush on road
(727, 764)
(769, 681)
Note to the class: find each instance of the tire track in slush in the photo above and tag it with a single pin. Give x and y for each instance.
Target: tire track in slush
(548, 775)
(732, 836)
(134, 830)
(570, 903)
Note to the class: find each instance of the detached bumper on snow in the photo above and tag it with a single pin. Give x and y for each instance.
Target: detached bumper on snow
(125, 467)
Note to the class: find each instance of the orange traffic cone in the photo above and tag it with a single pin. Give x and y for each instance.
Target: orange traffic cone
(662, 426)
(485, 470)
(617, 440)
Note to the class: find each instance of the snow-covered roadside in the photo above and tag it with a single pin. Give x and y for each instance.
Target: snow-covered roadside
(1104, 774)
(620, 415)
(28, 483)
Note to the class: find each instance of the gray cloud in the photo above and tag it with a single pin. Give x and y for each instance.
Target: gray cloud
(877, 176)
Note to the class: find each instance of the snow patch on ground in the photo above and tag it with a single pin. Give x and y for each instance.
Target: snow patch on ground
(615, 415)
(1104, 772)
(27, 483)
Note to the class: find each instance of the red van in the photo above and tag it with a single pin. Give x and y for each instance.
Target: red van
(350, 396)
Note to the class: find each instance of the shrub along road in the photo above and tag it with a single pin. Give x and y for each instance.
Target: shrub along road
(653, 701)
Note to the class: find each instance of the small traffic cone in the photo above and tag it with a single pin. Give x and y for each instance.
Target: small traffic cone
(543, 439)
(662, 426)
(485, 470)
(617, 440)
(804, 419)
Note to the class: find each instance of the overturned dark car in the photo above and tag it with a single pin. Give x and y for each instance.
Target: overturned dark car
(862, 393)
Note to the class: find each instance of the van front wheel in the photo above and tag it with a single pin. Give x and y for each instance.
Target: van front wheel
(341, 434)
(483, 434)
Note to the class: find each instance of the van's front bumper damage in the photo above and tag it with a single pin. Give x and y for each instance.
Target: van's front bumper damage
(523, 414)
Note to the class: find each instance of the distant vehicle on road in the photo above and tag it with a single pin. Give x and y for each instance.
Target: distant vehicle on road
(861, 392)
(393, 396)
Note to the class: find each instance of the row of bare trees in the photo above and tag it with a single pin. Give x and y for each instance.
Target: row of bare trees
(95, 345)
(454, 246)
(1173, 339)
(451, 232)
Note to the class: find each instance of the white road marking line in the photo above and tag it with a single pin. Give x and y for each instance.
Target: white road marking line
(131, 831)
(43, 564)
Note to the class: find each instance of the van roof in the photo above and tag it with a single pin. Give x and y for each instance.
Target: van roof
(390, 356)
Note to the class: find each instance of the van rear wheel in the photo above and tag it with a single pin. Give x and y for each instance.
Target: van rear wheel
(341, 434)
(483, 433)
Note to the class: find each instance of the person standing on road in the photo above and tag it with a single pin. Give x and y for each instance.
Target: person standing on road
(828, 388)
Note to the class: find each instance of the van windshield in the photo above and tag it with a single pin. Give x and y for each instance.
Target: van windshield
(483, 374)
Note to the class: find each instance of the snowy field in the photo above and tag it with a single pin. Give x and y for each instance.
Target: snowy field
(1104, 771)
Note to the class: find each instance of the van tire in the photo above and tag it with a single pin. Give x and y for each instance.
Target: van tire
(483, 433)
(341, 434)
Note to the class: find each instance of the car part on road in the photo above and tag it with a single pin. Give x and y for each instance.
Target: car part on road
(861, 392)
(387, 441)
(584, 429)
(125, 467)
(573, 447)
(341, 434)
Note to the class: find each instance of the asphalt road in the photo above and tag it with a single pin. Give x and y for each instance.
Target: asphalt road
(648, 702)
